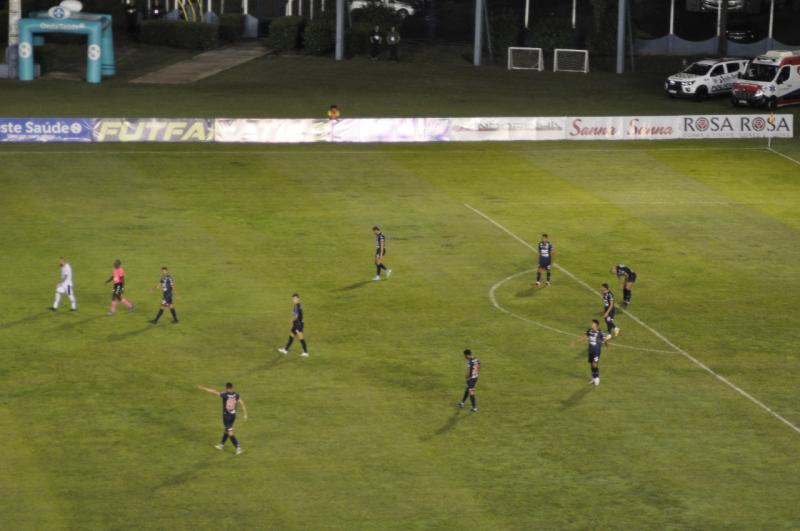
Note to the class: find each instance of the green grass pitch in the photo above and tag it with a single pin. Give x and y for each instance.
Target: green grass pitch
(103, 427)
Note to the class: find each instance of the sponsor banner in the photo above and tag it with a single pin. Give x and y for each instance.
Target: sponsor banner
(390, 130)
(650, 128)
(505, 129)
(737, 126)
(509, 129)
(154, 130)
(679, 127)
(397, 129)
(349, 130)
(272, 131)
(46, 129)
(595, 128)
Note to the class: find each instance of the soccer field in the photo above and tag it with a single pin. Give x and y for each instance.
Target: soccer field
(105, 428)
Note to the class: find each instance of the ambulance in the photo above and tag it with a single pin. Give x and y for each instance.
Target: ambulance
(771, 80)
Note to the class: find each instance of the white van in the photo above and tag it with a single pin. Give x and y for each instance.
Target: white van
(771, 80)
(707, 77)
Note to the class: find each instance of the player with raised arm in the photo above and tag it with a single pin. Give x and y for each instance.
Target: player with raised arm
(595, 338)
(545, 249)
(297, 327)
(230, 401)
(473, 371)
(166, 285)
(64, 286)
(380, 253)
(609, 310)
(118, 276)
(628, 277)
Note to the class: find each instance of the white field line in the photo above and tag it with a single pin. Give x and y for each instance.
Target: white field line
(493, 298)
(660, 336)
(787, 157)
(208, 150)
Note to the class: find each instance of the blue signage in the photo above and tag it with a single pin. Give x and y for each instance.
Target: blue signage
(46, 129)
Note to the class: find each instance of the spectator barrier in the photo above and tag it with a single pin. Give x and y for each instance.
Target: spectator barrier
(379, 130)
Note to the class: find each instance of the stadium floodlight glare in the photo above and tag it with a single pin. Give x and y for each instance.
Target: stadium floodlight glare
(565, 60)
(520, 58)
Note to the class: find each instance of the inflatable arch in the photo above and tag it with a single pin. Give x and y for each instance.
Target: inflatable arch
(67, 18)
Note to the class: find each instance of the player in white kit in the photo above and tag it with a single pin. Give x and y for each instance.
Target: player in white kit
(64, 287)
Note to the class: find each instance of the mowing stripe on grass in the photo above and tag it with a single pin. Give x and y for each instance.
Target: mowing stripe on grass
(653, 331)
(497, 305)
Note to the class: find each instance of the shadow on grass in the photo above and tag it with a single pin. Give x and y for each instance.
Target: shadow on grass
(526, 292)
(280, 359)
(448, 426)
(67, 326)
(24, 320)
(195, 471)
(355, 286)
(576, 397)
(132, 333)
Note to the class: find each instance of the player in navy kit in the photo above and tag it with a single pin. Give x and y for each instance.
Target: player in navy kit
(166, 285)
(380, 253)
(545, 249)
(297, 327)
(609, 310)
(473, 371)
(230, 401)
(628, 277)
(595, 339)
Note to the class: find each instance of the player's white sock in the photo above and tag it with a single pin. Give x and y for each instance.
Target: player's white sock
(57, 301)
(73, 302)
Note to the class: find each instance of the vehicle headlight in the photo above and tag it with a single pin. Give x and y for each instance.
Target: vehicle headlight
(687, 83)
(759, 93)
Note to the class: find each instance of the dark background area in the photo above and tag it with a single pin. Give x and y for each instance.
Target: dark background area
(452, 21)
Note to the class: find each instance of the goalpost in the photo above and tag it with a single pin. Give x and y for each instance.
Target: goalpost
(520, 58)
(566, 60)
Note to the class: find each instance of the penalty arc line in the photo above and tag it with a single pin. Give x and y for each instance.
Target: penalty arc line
(497, 305)
(650, 329)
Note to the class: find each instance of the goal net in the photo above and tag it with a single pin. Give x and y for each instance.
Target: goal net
(570, 60)
(525, 59)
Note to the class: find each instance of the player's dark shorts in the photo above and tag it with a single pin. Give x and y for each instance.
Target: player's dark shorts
(631, 278)
(544, 262)
(379, 254)
(297, 326)
(228, 420)
(611, 314)
(471, 383)
(594, 356)
(167, 299)
(116, 293)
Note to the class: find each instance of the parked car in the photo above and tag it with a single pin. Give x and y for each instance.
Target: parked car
(401, 8)
(713, 5)
(707, 77)
(771, 80)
